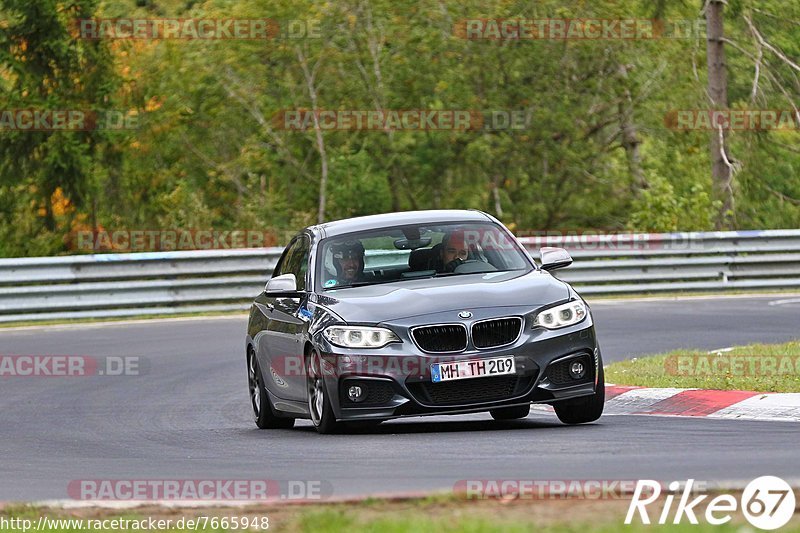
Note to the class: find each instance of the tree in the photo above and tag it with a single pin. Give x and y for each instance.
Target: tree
(48, 67)
(721, 167)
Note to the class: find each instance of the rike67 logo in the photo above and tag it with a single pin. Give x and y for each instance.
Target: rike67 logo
(767, 502)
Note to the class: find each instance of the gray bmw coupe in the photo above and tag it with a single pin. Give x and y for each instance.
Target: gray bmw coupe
(418, 313)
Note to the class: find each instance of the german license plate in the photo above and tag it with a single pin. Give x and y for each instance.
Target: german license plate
(475, 368)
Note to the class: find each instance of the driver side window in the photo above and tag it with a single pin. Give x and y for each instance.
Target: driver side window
(295, 261)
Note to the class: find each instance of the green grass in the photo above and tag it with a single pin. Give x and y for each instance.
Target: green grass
(336, 521)
(755, 367)
(439, 515)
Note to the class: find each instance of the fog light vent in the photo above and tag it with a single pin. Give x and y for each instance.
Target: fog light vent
(571, 371)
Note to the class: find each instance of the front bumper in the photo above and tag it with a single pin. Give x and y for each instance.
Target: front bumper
(400, 385)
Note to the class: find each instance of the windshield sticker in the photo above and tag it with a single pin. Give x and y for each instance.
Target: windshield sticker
(330, 283)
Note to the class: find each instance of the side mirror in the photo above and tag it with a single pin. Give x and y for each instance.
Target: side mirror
(283, 286)
(553, 258)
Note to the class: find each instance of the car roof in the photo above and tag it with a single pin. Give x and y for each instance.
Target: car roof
(436, 216)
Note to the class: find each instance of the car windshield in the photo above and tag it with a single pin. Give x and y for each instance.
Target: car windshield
(419, 251)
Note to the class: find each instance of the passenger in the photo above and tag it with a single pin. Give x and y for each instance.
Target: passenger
(348, 258)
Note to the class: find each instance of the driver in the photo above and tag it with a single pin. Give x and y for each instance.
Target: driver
(453, 252)
(348, 258)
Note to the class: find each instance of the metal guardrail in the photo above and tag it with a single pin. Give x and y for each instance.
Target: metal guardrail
(173, 283)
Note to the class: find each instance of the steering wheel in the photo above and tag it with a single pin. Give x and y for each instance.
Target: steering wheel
(471, 266)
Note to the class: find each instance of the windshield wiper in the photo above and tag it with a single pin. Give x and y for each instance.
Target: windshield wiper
(364, 283)
(412, 278)
(356, 284)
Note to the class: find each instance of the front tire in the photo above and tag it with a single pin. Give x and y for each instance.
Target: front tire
(584, 410)
(319, 406)
(264, 413)
(511, 413)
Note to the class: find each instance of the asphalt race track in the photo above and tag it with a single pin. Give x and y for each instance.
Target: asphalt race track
(188, 417)
(628, 329)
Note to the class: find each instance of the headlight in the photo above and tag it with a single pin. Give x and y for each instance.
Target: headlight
(561, 316)
(359, 336)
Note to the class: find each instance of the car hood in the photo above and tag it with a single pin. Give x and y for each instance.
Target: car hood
(404, 299)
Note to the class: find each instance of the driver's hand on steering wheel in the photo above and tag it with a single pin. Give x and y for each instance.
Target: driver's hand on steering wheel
(453, 265)
(454, 256)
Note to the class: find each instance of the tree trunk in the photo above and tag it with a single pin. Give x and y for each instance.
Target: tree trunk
(498, 206)
(721, 172)
(309, 74)
(49, 216)
(630, 136)
(323, 182)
